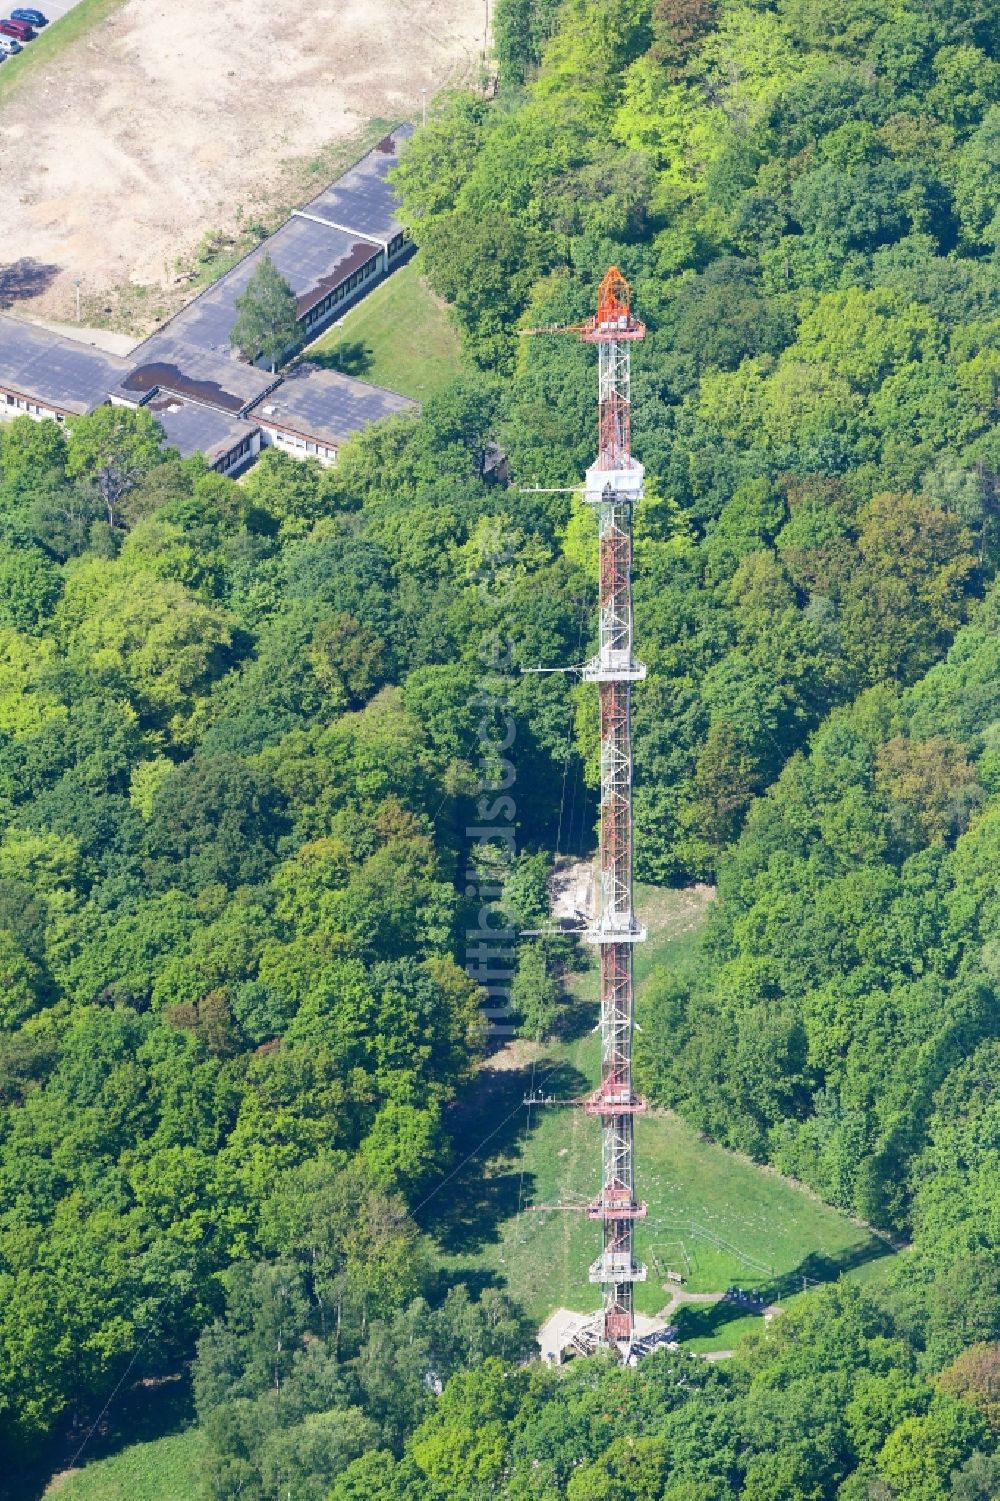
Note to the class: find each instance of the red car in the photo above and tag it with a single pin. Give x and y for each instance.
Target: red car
(19, 29)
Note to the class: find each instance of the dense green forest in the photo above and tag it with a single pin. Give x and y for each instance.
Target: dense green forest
(242, 732)
(235, 744)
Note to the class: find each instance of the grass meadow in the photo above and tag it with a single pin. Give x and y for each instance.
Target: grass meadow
(400, 336)
(162, 1469)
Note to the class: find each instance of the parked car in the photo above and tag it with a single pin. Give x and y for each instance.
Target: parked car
(27, 13)
(8, 46)
(20, 30)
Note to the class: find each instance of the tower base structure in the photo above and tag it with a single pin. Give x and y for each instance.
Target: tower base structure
(566, 1335)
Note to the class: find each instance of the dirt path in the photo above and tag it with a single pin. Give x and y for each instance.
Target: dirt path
(679, 1297)
(573, 892)
(169, 121)
(770, 1310)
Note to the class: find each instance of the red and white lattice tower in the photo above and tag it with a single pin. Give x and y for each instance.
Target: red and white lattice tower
(614, 486)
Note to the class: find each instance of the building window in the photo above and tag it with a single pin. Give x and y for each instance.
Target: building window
(235, 455)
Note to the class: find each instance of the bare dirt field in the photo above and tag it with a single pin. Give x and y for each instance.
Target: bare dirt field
(173, 119)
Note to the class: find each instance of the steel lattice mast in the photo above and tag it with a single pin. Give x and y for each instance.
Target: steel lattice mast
(614, 486)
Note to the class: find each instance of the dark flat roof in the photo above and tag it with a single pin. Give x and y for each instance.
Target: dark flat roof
(191, 353)
(363, 199)
(312, 257)
(53, 370)
(327, 406)
(168, 360)
(193, 428)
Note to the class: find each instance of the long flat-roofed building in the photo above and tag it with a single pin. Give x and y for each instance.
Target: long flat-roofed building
(363, 201)
(326, 268)
(43, 374)
(330, 253)
(218, 381)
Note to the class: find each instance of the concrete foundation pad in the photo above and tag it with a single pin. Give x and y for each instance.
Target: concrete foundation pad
(101, 338)
(559, 1330)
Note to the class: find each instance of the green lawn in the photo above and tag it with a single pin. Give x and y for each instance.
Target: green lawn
(165, 1469)
(713, 1216)
(673, 922)
(714, 1326)
(400, 336)
(55, 38)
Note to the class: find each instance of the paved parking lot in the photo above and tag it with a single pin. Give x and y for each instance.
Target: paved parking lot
(51, 8)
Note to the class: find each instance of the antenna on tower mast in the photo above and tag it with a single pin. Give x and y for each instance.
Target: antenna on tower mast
(614, 486)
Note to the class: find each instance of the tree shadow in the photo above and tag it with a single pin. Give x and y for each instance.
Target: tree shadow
(817, 1268)
(577, 1019)
(21, 280)
(708, 1320)
(466, 1209)
(151, 1408)
(349, 357)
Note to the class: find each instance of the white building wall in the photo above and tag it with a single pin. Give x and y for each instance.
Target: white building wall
(398, 247)
(13, 404)
(296, 445)
(336, 303)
